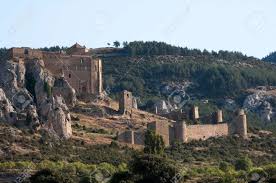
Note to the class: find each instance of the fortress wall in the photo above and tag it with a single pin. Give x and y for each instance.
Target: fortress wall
(52, 62)
(196, 132)
(161, 128)
(139, 138)
(33, 53)
(82, 72)
(127, 137)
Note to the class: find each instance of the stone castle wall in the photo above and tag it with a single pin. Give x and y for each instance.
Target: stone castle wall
(179, 131)
(132, 137)
(161, 128)
(196, 132)
(83, 72)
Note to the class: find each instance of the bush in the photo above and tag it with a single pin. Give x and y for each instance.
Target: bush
(154, 144)
(48, 176)
(243, 164)
(154, 169)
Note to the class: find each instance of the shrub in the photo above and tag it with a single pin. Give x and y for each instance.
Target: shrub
(154, 169)
(154, 144)
(47, 89)
(243, 164)
(48, 176)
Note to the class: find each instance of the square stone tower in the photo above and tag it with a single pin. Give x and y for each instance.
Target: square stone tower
(194, 113)
(125, 103)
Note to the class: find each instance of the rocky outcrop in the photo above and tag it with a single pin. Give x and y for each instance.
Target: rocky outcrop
(12, 80)
(7, 112)
(33, 95)
(57, 117)
(63, 88)
(261, 103)
(53, 111)
(32, 118)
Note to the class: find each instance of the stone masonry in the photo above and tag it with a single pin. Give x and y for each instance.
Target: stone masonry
(77, 66)
(125, 103)
(180, 131)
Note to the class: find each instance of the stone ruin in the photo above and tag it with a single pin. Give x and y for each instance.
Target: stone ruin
(126, 103)
(36, 87)
(77, 66)
(182, 132)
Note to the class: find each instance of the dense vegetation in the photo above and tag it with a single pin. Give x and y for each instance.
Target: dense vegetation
(270, 58)
(140, 48)
(225, 159)
(214, 77)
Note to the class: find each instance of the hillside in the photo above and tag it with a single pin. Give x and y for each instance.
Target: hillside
(270, 58)
(154, 71)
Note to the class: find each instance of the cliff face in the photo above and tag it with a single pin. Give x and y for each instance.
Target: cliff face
(31, 96)
(262, 102)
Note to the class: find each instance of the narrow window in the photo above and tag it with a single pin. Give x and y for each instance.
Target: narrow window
(69, 75)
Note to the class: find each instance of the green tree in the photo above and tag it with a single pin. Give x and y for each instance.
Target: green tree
(148, 168)
(116, 44)
(154, 144)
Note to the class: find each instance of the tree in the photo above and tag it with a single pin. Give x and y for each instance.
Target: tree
(154, 144)
(125, 44)
(116, 44)
(148, 168)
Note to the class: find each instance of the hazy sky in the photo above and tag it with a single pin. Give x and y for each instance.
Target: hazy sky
(248, 26)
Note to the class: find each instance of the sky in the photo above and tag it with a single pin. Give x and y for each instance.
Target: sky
(247, 26)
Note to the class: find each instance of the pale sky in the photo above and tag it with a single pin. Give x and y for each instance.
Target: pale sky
(248, 26)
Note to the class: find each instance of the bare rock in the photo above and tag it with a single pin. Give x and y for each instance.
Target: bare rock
(52, 108)
(7, 112)
(260, 103)
(58, 118)
(64, 89)
(38, 105)
(32, 118)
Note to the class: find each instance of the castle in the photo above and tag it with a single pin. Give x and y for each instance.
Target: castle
(182, 132)
(83, 71)
(77, 65)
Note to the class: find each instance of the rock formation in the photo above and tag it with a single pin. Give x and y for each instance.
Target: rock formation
(7, 112)
(31, 94)
(261, 102)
